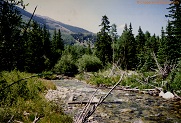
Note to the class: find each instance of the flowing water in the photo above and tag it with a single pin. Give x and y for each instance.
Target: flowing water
(120, 106)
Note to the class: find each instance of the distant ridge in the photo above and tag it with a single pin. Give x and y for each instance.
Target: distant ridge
(70, 33)
(52, 24)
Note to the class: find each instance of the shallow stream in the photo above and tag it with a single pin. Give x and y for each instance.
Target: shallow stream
(120, 106)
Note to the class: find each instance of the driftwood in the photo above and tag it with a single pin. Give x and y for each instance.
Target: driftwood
(11, 119)
(166, 69)
(130, 89)
(91, 103)
(36, 119)
(88, 111)
(139, 89)
(86, 108)
(176, 96)
(16, 121)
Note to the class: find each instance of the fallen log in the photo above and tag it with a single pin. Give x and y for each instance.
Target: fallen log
(128, 89)
(85, 102)
(137, 90)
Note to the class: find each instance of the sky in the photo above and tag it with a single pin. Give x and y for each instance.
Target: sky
(87, 14)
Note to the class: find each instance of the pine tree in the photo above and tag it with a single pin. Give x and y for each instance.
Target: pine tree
(174, 15)
(140, 43)
(162, 57)
(140, 40)
(133, 57)
(60, 43)
(105, 24)
(174, 31)
(127, 49)
(34, 50)
(57, 46)
(104, 41)
(169, 49)
(11, 45)
(151, 46)
(47, 47)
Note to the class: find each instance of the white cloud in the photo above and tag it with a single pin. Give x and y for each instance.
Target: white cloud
(121, 26)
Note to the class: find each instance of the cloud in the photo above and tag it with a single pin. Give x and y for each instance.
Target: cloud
(121, 26)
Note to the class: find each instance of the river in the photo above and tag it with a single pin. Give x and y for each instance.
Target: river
(120, 106)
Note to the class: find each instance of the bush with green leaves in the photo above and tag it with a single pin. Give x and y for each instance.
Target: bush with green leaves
(101, 80)
(132, 81)
(24, 100)
(175, 79)
(66, 65)
(11, 88)
(89, 63)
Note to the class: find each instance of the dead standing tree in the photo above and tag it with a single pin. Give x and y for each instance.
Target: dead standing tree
(165, 70)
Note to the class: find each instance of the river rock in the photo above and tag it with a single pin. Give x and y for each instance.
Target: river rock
(138, 121)
(167, 95)
(104, 115)
(91, 118)
(126, 94)
(95, 99)
(126, 110)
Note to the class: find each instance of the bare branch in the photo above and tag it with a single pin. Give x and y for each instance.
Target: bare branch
(29, 21)
(36, 119)
(87, 106)
(158, 65)
(91, 110)
(16, 121)
(10, 120)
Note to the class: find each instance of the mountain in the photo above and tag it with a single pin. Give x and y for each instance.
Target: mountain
(70, 34)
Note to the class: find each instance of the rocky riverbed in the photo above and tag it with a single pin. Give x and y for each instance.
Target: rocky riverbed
(119, 107)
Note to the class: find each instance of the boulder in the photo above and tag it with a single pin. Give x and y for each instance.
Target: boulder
(167, 95)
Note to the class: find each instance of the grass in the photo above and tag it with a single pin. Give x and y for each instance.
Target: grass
(25, 100)
(48, 84)
(102, 78)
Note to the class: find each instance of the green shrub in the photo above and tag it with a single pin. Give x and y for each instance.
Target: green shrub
(27, 96)
(133, 81)
(102, 80)
(176, 84)
(49, 112)
(66, 65)
(175, 79)
(130, 81)
(89, 63)
(26, 89)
